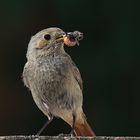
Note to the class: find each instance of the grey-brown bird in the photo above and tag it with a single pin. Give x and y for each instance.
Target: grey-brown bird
(55, 81)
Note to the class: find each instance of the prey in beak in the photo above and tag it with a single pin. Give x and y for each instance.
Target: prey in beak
(73, 38)
(70, 38)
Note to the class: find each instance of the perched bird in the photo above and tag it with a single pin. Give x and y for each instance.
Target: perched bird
(55, 81)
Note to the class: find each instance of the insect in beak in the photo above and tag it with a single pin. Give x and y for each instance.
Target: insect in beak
(73, 38)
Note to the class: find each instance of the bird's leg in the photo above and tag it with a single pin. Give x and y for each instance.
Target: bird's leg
(73, 124)
(44, 126)
(72, 133)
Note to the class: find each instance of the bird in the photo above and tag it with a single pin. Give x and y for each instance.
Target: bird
(55, 81)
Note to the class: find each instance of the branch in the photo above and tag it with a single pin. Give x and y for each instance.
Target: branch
(65, 138)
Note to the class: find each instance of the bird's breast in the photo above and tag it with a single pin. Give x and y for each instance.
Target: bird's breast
(54, 68)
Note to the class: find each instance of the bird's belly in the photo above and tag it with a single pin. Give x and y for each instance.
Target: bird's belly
(56, 92)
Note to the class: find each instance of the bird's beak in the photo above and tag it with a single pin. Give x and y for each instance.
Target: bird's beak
(60, 38)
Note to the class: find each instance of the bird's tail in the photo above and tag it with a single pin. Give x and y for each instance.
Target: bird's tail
(83, 129)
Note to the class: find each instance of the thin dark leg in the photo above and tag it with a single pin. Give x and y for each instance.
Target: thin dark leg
(73, 124)
(44, 126)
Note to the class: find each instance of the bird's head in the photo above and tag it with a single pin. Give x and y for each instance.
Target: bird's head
(46, 42)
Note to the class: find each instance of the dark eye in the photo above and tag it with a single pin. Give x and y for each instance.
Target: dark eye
(47, 37)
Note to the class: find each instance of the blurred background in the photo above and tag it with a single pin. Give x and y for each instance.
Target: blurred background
(108, 59)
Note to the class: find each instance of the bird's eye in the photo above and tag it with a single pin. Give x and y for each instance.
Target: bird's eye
(47, 37)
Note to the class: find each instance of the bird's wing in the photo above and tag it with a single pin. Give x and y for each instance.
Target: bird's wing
(25, 74)
(77, 75)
